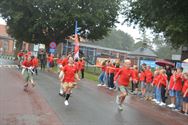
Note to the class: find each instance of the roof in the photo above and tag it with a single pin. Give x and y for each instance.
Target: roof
(104, 48)
(5, 37)
(143, 52)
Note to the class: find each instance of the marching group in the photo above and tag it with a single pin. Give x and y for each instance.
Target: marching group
(155, 86)
(68, 70)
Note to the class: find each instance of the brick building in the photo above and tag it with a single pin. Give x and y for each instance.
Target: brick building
(6, 42)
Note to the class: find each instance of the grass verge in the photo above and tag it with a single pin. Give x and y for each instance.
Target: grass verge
(91, 76)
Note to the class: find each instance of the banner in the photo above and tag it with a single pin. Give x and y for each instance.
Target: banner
(100, 60)
(76, 48)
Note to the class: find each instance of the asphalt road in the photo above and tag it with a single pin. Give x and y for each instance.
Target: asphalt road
(90, 105)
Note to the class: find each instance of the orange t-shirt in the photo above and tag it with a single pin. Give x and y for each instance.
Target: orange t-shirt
(124, 75)
(162, 80)
(107, 69)
(82, 64)
(112, 69)
(35, 62)
(135, 75)
(156, 80)
(50, 58)
(142, 76)
(185, 87)
(149, 76)
(27, 63)
(69, 73)
(178, 83)
(171, 83)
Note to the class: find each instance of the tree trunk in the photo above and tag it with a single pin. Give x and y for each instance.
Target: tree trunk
(18, 47)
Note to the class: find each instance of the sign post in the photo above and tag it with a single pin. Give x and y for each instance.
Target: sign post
(53, 46)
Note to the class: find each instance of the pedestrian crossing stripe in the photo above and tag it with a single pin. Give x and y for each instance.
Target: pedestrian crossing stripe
(9, 66)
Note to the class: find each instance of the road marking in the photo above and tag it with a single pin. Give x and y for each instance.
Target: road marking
(8, 66)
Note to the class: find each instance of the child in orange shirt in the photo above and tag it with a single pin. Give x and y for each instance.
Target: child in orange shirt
(171, 89)
(149, 79)
(161, 87)
(185, 94)
(154, 84)
(135, 79)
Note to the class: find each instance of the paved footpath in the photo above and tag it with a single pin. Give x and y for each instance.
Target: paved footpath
(20, 108)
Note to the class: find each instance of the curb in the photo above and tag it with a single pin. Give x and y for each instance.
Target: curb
(7, 57)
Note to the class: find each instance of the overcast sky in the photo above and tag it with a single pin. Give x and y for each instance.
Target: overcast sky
(134, 32)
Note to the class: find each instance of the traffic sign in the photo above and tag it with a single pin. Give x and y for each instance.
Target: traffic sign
(52, 50)
(53, 45)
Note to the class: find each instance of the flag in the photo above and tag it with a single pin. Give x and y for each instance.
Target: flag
(76, 48)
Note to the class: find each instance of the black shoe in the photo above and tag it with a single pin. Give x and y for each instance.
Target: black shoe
(26, 85)
(33, 85)
(60, 94)
(64, 95)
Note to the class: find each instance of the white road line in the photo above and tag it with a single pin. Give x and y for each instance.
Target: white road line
(9, 66)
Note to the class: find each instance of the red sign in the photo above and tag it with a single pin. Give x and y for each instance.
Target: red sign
(53, 45)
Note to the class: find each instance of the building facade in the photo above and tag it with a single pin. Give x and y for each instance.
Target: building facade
(7, 44)
(91, 52)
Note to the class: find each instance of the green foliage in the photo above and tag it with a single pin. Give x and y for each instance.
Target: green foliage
(117, 39)
(166, 52)
(167, 16)
(46, 20)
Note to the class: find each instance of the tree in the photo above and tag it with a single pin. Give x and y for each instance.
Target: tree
(164, 50)
(167, 16)
(117, 39)
(43, 21)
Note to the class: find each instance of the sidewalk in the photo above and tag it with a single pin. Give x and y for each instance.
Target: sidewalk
(20, 108)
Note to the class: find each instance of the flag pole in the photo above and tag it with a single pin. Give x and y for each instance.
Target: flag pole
(76, 40)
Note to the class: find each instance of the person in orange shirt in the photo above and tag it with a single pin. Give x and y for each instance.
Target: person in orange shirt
(135, 79)
(124, 77)
(142, 78)
(50, 61)
(20, 57)
(117, 68)
(185, 94)
(155, 82)
(111, 75)
(102, 74)
(171, 90)
(82, 67)
(63, 62)
(27, 71)
(35, 63)
(107, 74)
(149, 79)
(178, 87)
(70, 73)
(162, 83)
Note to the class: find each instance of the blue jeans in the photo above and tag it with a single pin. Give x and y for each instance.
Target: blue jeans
(178, 99)
(111, 80)
(101, 77)
(106, 78)
(158, 94)
(154, 92)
